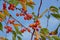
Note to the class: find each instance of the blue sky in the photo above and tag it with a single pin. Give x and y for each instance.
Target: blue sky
(53, 23)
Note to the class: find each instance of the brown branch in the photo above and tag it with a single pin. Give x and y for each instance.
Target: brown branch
(32, 34)
(39, 7)
(37, 15)
(17, 21)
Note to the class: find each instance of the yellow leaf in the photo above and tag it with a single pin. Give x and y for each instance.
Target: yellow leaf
(24, 7)
(31, 0)
(23, 3)
(16, 25)
(6, 12)
(3, 16)
(43, 13)
(2, 38)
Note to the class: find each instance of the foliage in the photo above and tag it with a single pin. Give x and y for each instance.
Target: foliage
(38, 31)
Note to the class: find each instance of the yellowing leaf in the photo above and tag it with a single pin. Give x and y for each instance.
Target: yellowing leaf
(42, 36)
(16, 25)
(6, 12)
(2, 16)
(2, 38)
(23, 3)
(43, 13)
(53, 9)
(44, 31)
(37, 34)
(31, 0)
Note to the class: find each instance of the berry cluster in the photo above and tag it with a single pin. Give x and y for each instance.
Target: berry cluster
(11, 7)
(4, 5)
(9, 29)
(11, 21)
(35, 25)
(24, 29)
(26, 16)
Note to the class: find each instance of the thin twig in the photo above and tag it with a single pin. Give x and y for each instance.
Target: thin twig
(32, 34)
(39, 7)
(13, 17)
(37, 15)
(48, 19)
(18, 21)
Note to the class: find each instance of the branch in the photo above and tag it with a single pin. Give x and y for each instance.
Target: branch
(12, 16)
(17, 21)
(32, 34)
(48, 19)
(39, 7)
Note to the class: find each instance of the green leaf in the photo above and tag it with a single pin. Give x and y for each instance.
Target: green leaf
(15, 2)
(1, 27)
(6, 13)
(11, 1)
(14, 33)
(19, 38)
(50, 38)
(53, 9)
(56, 30)
(33, 14)
(43, 37)
(43, 13)
(44, 31)
(35, 17)
(30, 5)
(17, 31)
(56, 37)
(57, 16)
(13, 37)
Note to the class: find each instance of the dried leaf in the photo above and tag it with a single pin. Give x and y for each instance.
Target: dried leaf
(16, 25)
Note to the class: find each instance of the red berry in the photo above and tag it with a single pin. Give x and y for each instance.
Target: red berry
(5, 27)
(17, 14)
(22, 14)
(29, 15)
(23, 30)
(11, 7)
(37, 29)
(25, 17)
(24, 10)
(28, 30)
(7, 31)
(37, 22)
(11, 21)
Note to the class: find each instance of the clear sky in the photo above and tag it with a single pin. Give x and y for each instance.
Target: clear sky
(53, 23)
